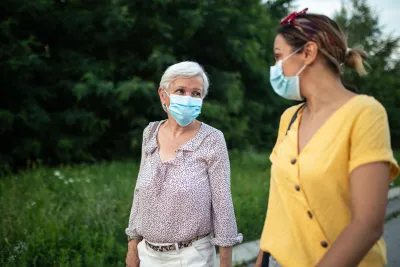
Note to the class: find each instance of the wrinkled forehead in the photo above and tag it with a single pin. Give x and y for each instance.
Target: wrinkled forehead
(189, 83)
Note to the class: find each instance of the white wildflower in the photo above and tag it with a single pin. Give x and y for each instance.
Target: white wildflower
(57, 173)
(71, 180)
(20, 247)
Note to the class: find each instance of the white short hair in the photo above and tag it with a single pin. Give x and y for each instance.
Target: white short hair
(185, 69)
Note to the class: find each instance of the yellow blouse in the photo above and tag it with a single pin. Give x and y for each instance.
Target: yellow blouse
(309, 202)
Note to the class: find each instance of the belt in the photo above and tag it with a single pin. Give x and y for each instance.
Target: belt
(175, 246)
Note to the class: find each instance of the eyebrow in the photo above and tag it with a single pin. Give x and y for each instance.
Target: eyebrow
(184, 87)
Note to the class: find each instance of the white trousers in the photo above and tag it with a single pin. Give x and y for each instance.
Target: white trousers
(200, 254)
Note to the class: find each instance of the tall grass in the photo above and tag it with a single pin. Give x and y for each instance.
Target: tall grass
(76, 216)
(68, 217)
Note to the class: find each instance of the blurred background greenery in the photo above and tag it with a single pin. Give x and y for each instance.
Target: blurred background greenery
(79, 83)
(79, 78)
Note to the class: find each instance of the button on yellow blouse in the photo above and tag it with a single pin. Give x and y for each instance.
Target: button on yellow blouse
(309, 202)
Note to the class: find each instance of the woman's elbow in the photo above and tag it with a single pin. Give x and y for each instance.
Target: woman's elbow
(377, 230)
(373, 229)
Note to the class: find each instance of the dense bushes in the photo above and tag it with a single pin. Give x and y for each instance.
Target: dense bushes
(79, 78)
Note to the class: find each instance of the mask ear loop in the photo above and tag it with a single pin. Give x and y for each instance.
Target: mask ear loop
(294, 52)
(297, 50)
(301, 70)
(298, 81)
(165, 105)
(165, 91)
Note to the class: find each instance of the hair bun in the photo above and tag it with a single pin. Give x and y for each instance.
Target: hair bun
(354, 58)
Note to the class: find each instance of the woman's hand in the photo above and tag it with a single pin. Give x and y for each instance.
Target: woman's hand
(132, 257)
(259, 259)
(225, 255)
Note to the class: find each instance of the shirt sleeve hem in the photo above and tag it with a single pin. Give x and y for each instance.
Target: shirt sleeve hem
(227, 242)
(394, 168)
(132, 234)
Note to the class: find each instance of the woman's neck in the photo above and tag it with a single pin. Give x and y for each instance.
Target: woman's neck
(175, 129)
(326, 96)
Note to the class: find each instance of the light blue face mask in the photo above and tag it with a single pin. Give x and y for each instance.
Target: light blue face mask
(184, 109)
(286, 87)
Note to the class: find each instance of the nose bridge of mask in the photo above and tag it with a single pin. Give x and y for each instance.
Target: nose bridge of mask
(182, 100)
(181, 97)
(185, 101)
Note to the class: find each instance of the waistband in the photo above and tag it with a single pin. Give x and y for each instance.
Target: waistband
(161, 247)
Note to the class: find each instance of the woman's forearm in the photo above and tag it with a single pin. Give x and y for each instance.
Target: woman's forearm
(259, 259)
(225, 254)
(351, 246)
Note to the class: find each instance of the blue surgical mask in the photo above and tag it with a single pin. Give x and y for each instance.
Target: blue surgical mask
(286, 87)
(184, 109)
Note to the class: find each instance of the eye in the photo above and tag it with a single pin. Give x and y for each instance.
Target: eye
(180, 91)
(196, 94)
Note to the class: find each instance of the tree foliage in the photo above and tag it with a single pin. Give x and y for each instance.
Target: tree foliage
(79, 78)
(363, 29)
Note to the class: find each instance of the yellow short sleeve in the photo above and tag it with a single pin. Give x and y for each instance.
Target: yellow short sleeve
(370, 139)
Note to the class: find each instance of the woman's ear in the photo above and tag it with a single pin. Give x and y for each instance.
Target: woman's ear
(163, 95)
(310, 52)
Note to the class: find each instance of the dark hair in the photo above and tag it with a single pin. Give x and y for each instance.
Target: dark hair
(330, 39)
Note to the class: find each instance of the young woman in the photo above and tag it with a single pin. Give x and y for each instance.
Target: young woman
(332, 162)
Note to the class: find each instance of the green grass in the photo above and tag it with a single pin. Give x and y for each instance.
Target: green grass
(74, 219)
(76, 216)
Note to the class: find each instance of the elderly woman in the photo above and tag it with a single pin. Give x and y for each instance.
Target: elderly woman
(182, 203)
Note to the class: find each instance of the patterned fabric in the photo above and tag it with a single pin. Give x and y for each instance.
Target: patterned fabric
(171, 247)
(187, 196)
